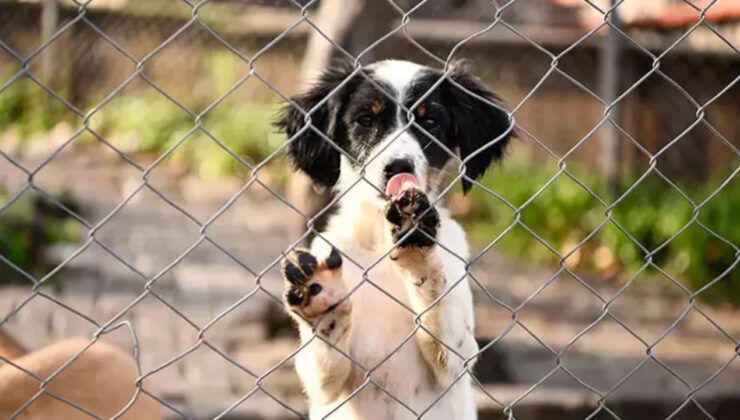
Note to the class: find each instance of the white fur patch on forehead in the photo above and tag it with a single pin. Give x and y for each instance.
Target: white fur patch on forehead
(396, 73)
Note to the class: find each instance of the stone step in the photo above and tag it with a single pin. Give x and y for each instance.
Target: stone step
(543, 403)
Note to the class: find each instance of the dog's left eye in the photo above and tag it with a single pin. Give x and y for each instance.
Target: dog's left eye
(364, 120)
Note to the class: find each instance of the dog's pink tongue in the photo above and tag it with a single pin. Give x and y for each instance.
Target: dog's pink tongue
(397, 182)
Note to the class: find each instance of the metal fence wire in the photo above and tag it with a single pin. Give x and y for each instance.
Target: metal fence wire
(508, 408)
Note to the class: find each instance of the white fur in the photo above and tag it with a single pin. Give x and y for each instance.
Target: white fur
(397, 145)
(396, 73)
(376, 324)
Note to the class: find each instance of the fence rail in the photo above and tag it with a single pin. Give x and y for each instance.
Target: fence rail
(608, 122)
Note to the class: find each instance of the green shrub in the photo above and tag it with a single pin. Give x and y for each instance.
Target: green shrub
(153, 127)
(564, 214)
(27, 229)
(144, 121)
(28, 107)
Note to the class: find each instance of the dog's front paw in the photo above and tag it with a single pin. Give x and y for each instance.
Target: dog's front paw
(313, 287)
(414, 221)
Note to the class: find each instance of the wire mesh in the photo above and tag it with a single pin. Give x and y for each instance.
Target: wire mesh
(607, 204)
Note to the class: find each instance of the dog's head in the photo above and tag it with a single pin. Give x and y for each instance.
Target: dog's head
(371, 134)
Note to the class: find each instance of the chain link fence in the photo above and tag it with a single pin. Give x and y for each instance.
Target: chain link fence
(611, 102)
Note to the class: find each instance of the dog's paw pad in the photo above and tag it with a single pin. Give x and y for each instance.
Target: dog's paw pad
(312, 287)
(414, 221)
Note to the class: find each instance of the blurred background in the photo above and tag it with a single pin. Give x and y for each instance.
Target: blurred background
(569, 308)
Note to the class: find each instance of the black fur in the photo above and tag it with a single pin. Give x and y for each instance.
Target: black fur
(308, 151)
(478, 125)
(455, 118)
(465, 121)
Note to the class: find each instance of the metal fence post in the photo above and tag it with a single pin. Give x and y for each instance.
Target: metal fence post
(609, 81)
(49, 22)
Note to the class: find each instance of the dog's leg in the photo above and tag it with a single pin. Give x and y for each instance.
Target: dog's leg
(313, 290)
(446, 339)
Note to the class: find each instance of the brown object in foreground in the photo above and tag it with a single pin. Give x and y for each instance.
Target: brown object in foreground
(10, 348)
(102, 380)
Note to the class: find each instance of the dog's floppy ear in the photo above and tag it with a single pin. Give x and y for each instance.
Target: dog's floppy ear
(481, 129)
(308, 151)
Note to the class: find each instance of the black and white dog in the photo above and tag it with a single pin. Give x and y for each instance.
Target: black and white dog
(389, 173)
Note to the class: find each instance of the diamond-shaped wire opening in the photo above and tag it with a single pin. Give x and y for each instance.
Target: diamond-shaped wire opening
(568, 213)
(257, 335)
(421, 30)
(93, 175)
(661, 301)
(499, 275)
(216, 67)
(42, 320)
(603, 353)
(98, 66)
(709, 349)
(580, 65)
(35, 111)
(139, 119)
(517, 344)
(216, 381)
(687, 74)
(669, 112)
(240, 123)
(14, 32)
(189, 284)
(584, 307)
(555, 381)
(709, 393)
(231, 24)
(651, 211)
(704, 263)
(649, 380)
(200, 160)
(28, 212)
(544, 116)
(142, 29)
(723, 141)
(148, 249)
(160, 347)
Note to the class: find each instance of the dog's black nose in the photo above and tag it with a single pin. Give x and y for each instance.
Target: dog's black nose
(398, 166)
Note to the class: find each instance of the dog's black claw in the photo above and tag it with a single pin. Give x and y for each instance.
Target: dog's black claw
(335, 260)
(292, 273)
(294, 297)
(299, 266)
(393, 215)
(307, 262)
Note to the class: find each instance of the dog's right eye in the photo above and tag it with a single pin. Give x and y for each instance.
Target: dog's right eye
(364, 120)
